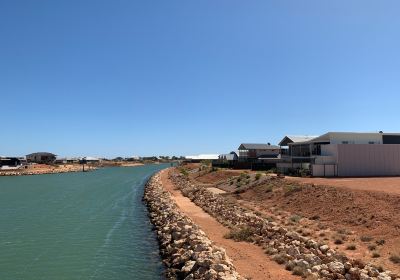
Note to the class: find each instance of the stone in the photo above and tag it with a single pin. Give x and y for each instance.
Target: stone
(336, 267)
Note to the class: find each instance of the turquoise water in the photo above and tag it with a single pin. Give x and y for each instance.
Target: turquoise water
(78, 226)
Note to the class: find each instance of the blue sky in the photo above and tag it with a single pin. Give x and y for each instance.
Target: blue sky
(109, 78)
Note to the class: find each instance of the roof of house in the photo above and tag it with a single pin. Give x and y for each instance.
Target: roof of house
(294, 139)
(41, 154)
(203, 157)
(252, 146)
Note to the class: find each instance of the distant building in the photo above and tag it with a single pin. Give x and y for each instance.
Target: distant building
(67, 160)
(202, 157)
(89, 160)
(41, 157)
(10, 163)
(250, 152)
(231, 157)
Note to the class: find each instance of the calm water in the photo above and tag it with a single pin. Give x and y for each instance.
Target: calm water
(77, 226)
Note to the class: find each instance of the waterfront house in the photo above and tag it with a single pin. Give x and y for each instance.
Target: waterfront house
(345, 154)
(10, 163)
(41, 157)
(201, 157)
(250, 152)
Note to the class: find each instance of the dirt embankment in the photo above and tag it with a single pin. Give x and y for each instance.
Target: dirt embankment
(39, 169)
(249, 259)
(285, 241)
(362, 224)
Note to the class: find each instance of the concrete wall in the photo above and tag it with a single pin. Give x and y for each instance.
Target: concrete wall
(368, 160)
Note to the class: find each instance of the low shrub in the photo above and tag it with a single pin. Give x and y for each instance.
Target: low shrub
(298, 270)
(279, 258)
(258, 176)
(290, 189)
(366, 238)
(338, 241)
(295, 218)
(395, 259)
(380, 242)
(375, 255)
(351, 247)
(241, 234)
(371, 247)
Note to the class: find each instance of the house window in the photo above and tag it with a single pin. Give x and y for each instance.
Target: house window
(345, 142)
(371, 142)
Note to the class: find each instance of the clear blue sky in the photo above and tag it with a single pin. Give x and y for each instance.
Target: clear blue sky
(109, 78)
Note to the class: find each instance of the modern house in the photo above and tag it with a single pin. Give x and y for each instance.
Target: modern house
(345, 154)
(201, 157)
(41, 157)
(252, 152)
(10, 163)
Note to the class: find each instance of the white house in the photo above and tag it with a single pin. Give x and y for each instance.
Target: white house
(346, 154)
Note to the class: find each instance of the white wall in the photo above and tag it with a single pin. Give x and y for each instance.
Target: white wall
(356, 138)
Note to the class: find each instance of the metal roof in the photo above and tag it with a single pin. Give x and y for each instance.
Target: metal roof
(41, 154)
(252, 146)
(295, 139)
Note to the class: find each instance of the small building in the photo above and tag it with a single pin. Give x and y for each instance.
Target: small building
(41, 157)
(345, 154)
(201, 157)
(10, 163)
(67, 160)
(252, 152)
(231, 157)
(89, 160)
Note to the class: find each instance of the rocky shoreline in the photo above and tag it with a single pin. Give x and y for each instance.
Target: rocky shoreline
(39, 172)
(302, 255)
(185, 249)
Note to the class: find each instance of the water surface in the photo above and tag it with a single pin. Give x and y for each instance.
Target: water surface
(78, 226)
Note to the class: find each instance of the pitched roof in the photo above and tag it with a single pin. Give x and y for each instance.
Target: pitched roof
(295, 139)
(252, 146)
(41, 154)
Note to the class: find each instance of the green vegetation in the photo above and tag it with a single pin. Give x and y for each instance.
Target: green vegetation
(258, 176)
(241, 234)
(184, 172)
(295, 218)
(279, 258)
(290, 189)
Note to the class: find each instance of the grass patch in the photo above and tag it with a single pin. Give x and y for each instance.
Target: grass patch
(351, 247)
(290, 189)
(241, 234)
(366, 238)
(371, 247)
(279, 258)
(297, 270)
(258, 176)
(395, 259)
(375, 255)
(295, 218)
(338, 241)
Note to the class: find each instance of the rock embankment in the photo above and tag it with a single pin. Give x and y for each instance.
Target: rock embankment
(303, 255)
(24, 172)
(186, 250)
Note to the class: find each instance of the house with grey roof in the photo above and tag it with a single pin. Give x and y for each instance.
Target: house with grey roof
(251, 152)
(345, 154)
(41, 157)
